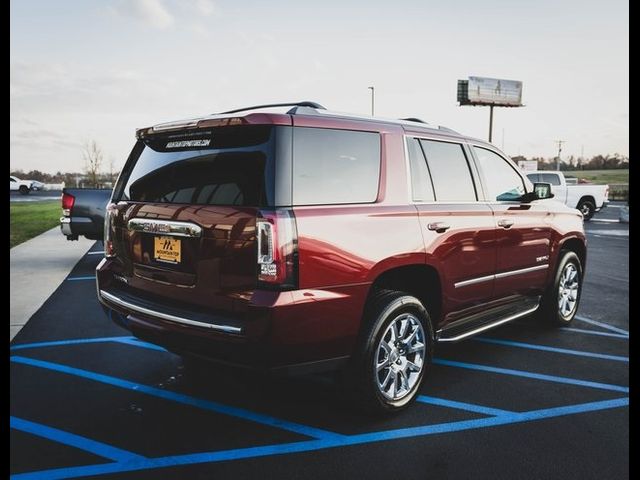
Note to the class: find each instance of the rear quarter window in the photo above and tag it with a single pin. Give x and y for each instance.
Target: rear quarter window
(335, 166)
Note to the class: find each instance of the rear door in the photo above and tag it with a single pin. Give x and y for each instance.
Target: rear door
(458, 230)
(522, 229)
(185, 226)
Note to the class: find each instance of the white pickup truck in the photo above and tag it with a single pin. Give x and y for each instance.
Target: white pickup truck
(587, 198)
(22, 186)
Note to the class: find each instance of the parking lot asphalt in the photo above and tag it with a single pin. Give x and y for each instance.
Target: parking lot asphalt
(35, 196)
(522, 401)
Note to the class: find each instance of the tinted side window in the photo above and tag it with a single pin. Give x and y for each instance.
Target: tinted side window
(534, 177)
(421, 186)
(551, 178)
(503, 182)
(335, 166)
(450, 172)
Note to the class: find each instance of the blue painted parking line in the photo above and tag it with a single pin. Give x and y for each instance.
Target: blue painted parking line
(180, 398)
(58, 343)
(545, 348)
(594, 332)
(606, 326)
(100, 252)
(462, 406)
(72, 440)
(314, 445)
(525, 374)
(71, 279)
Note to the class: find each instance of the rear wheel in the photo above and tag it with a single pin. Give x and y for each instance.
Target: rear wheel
(587, 208)
(24, 190)
(560, 302)
(393, 353)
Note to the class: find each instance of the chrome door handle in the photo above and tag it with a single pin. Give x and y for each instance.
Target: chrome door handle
(438, 226)
(505, 223)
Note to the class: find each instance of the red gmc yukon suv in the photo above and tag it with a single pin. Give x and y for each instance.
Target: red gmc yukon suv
(290, 238)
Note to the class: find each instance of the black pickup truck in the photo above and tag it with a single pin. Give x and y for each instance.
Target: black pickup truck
(83, 212)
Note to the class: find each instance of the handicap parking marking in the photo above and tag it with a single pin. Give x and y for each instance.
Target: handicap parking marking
(314, 445)
(545, 348)
(595, 332)
(82, 443)
(536, 376)
(179, 398)
(606, 326)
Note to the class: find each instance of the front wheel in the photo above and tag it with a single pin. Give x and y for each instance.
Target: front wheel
(393, 354)
(560, 302)
(587, 208)
(24, 190)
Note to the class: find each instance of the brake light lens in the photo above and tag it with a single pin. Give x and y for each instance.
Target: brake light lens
(277, 240)
(67, 204)
(109, 215)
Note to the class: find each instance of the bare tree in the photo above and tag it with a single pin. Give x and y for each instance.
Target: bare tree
(92, 155)
(112, 170)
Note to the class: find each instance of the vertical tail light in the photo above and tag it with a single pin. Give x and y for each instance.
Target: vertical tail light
(109, 215)
(67, 204)
(277, 242)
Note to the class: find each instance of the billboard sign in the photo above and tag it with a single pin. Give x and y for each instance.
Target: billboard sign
(490, 91)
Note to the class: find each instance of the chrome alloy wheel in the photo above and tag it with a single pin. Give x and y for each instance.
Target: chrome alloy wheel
(568, 290)
(400, 357)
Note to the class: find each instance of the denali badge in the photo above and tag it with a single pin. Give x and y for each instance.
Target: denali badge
(542, 258)
(189, 143)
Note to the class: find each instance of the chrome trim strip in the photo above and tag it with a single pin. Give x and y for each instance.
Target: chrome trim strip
(522, 270)
(166, 316)
(472, 281)
(165, 227)
(486, 327)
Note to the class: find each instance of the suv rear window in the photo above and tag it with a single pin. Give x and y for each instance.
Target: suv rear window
(220, 166)
(335, 166)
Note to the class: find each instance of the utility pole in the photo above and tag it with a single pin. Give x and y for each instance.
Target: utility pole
(559, 142)
(490, 122)
(372, 99)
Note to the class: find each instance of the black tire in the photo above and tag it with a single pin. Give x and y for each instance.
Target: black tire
(24, 190)
(360, 379)
(550, 309)
(588, 209)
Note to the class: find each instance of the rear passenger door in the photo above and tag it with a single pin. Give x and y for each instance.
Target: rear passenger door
(458, 230)
(522, 229)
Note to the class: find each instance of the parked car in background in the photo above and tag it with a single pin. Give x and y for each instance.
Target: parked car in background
(83, 212)
(36, 185)
(294, 239)
(22, 186)
(588, 198)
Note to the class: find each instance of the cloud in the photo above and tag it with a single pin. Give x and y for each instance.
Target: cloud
(205, 7)
(151, 12)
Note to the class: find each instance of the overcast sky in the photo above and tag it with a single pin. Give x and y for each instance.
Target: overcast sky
(83, 70)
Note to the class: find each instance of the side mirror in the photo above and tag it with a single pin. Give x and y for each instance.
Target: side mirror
(542, 190)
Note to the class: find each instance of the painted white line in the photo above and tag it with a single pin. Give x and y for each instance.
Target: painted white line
(605, 220)
(96, 253)
(610, 232)
(602, 324)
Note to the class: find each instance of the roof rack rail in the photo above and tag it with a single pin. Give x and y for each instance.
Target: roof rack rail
(413, 119)
(288, 104)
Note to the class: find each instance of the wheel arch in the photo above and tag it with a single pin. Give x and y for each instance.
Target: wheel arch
(419, 280)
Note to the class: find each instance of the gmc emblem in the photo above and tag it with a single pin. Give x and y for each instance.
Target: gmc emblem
(156, 228)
